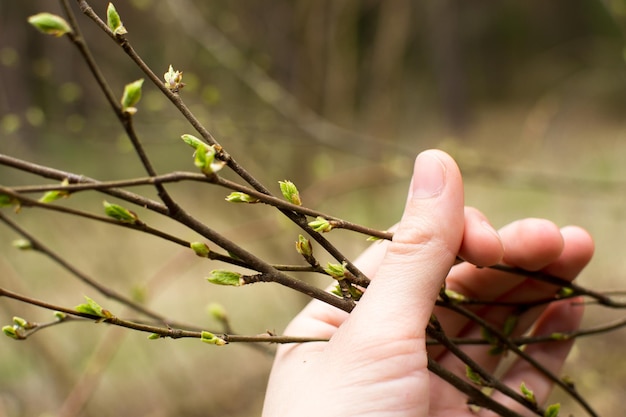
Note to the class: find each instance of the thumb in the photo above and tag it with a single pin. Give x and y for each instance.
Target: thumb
(399, 301)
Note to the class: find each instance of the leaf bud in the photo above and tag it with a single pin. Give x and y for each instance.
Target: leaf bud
(173, 80)
(13, 332)
(303, 246)
(192, 141)
(210, 338)
(223, 277)
(50, 24)
(217, 311)
(114, 22)
(200, 248)
(528, 393)
(336, 271)
(20, 322)
(321, 225)
(54, 195)
(238, 197)
(552, 410)
(119, 213)
(22, 244)
(290, 192)
(154, 336)
(131, 96)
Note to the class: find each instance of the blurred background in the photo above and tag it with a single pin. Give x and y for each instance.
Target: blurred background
(335, 95)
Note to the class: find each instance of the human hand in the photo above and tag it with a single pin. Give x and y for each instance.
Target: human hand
(376, 360)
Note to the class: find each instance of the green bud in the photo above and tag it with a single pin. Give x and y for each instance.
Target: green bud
(7, 200)
(13, 332)
(509, 324)
(290, 192)
(217, 311)
(119, 213)
(303, 246)
(50, 24)
(321, 225)
(22, 244)
(114, 22)
(92, 308)
(54, 195)
(21, 322)
(200, 248)
(453, 295)
(192, 141)
(565, 292)
(154, 336)
(552, 410)
(559, 336)
(473, 376)
(528, 393)
(372, 239)
(131, 96)
(336, 271)
(238, 197)
(210, 338)
(223, 277)
(173, 80)
(60, 316)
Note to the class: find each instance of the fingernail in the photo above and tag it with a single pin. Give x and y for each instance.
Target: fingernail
(429, 176)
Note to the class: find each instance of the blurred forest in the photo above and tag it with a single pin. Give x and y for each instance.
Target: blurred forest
(336, 95)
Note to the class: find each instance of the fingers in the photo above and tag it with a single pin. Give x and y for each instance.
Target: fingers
(560, 317)
(482, 245)
(400, 298)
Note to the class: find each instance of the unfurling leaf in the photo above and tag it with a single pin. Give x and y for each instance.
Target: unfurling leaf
(154, 336)
(290, 192)
(173, 80)
(131, 96)
(14, 332)
(119, 213)
(473, 376)
(528, 393)
(355, 293)
(21, 322)
(92, 308)
(238, 197)
(321, 225)
(7, 200)
(223, 277)
(50, 24)
(192, 141)
(453, 295)
(54, 195)
(509, 324)
(336, 271)
(114, 22)
(210, 338)
(201, 249)
(304, 248)
(552, 410)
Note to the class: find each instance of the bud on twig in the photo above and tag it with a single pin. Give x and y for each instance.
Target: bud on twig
(290, 192)
(552, 410)
(304, 248)
(528, 393)
(200, 248)
(173, 80)
(223, 277)
(14, 332)
(131, 96)
(321, 225)
(210, 338)
(239, 197)
(23, 244)
(114, 22)
(120, 213)
(50, 24)
(336, 271)
(54, 195)
(92, 308)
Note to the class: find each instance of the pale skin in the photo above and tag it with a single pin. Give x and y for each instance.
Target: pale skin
(375, 363)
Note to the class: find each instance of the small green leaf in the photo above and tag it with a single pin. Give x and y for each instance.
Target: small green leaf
(552, 410)
(238, 197)
(210, 338)
(290, 192)
(92, 308)
(559, 336)
(22, 244)
(336, 271)
(372, 239)
(173, 80)
(321, 225)
(50, 24)
(206, 161)
(7, 200)
(528, 393)
(119, 213)
(223, 277)
(565, 292)
(114, 22)
(201, 249)
(54, 195)
(453, 295)
(131, 96)
(192, 141)
(154, 336)
(304, 248)
(60, 316)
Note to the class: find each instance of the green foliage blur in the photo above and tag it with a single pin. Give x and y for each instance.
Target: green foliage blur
(529, 96)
